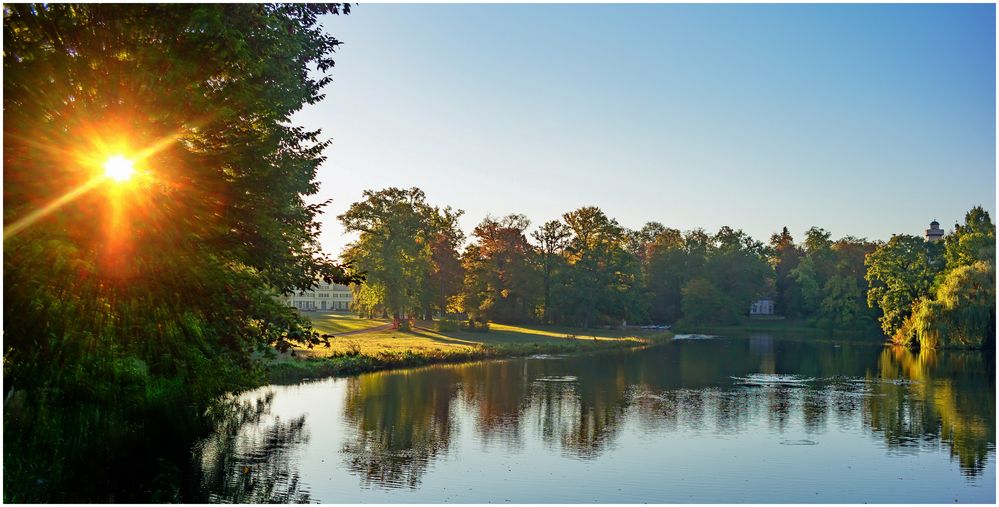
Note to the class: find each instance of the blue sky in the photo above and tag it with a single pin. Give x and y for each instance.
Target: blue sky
(865, 120)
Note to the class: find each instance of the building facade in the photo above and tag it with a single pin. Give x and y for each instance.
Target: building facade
(762, 307)
(324, 297)
(934, 233)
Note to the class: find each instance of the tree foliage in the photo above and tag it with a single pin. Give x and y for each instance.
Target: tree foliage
(937, 295)
(731, 276)
(602, 279)
(961, 311)
(500, 271)
(405, 249)
(143, 302)
(785, 257)
(552, 238)
(901, 273)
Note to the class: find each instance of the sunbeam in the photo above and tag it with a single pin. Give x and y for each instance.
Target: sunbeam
(38, 214)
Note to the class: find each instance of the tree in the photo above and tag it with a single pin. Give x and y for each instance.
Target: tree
(785, 258)
(445, 280)
(963, 311)
(842, 305)
(667, 268)
(553, 238)
(142, 302)
(603, 279)
(500, 280)
(393, 250)
(972, 242)
(901, 273)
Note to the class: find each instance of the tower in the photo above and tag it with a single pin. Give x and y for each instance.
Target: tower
(934, 233)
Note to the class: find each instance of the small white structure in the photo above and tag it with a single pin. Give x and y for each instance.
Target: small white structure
(762, 307)
(934, 233)
(324, 296)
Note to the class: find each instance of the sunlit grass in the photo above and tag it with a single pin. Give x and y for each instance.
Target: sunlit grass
(385, 349)
(422, 341)
(334, 323)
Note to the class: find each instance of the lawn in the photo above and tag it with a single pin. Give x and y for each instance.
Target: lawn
(336, 323)
(393, 348)
(500, 336)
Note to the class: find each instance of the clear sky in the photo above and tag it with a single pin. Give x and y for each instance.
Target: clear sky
(865, 120)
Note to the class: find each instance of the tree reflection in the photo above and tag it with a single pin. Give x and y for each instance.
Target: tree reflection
(498, 394)
(926, 397)
(402, 422)
(247, 458)
(602, 403)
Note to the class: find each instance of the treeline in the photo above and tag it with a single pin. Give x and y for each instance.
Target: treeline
(585, 269)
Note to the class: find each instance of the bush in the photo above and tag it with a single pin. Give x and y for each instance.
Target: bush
(475, 325)
(445, 325)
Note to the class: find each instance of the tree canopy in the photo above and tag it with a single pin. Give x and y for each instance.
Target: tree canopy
(124, 297)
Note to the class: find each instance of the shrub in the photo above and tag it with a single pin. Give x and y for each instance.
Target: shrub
(445, 325)
(475, 325)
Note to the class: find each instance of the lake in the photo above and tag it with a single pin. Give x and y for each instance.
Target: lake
(721, 420)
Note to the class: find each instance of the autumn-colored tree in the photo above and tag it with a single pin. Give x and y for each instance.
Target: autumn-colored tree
(501, 280)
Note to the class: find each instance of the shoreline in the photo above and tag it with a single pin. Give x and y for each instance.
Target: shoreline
(286, 371)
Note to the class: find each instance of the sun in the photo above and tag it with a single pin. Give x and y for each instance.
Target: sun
(119, 168)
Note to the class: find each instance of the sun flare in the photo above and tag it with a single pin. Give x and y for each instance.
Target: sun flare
(119, 168)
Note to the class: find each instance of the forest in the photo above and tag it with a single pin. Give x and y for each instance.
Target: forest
(585, 269)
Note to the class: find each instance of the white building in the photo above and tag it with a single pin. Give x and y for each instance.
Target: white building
(324, 297)
(762, 307)
(934, 233)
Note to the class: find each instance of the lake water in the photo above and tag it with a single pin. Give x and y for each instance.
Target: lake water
(750, 419)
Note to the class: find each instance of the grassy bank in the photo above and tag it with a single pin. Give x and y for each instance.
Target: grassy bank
(387, 349)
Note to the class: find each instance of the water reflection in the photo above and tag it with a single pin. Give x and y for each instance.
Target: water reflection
(402, 422)
(399, 424)
(247, 458)
(922, 399)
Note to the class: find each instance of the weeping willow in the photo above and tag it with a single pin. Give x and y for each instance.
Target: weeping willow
(963, 312)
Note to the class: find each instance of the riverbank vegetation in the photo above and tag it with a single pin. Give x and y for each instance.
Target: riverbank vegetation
(386, 348)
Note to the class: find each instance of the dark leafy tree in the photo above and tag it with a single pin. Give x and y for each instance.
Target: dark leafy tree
(603, 279)
(140, 302)
(785, 257)
(553, 238)
(667, 268)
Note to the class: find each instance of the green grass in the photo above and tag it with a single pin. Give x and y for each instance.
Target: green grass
(397, 349)
(336, 323)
